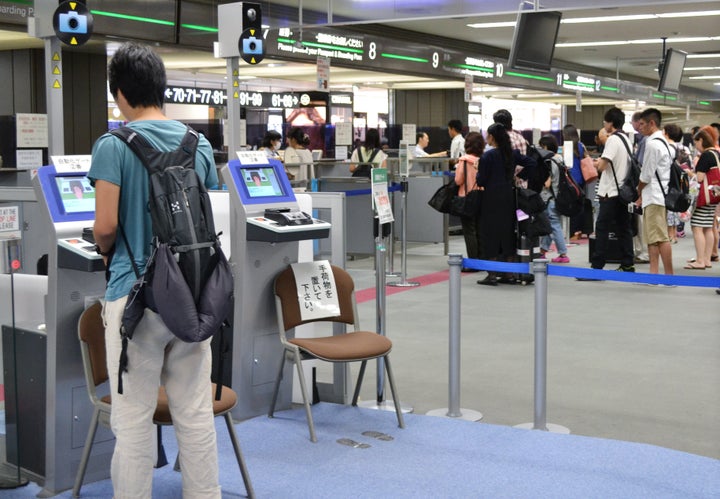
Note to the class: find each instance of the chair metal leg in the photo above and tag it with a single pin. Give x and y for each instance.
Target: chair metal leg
(277, 386)
(239, 456)
(396, 400)
(86, 453)
(161, 456)
(303, 388)
(359, 381)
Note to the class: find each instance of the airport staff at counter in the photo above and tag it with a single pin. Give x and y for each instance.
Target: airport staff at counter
(421, 142)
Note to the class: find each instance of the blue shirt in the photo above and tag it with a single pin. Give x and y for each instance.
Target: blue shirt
(113, 161)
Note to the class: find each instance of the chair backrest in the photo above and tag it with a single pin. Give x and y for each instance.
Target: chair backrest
(286, 291)
(91, 331)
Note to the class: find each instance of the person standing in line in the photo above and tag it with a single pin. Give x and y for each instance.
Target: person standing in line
(517, 141)
(498, 218)
(703, 217)
(639, 247)
(298, 156)
(577, 222)
(457, 144)
(612, 165)
(654, 178)
(367, 156)
(136, 77)
(549, 143)
(466, 179)
(421, 142)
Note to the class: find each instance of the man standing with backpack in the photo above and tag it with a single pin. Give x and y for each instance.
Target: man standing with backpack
(613, 215)
(155, 356)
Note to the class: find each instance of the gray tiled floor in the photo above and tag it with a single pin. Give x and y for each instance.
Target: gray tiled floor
(625, 361)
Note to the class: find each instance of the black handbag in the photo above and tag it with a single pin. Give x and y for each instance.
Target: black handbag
(529, 201)
(468, 205)
(443, 197)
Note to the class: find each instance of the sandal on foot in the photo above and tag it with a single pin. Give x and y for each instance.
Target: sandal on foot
(690, 266)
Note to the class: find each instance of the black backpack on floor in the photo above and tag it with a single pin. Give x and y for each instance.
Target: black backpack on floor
(187, 279)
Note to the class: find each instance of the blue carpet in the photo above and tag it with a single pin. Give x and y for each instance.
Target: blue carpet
(431, 458)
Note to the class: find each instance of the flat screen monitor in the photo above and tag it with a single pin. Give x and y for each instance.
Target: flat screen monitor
(671, 71)
(76, 194)
(534, 39)
(264, 183)
(68, 195)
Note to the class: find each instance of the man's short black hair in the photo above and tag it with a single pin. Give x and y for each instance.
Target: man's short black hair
(549, 142)
(652, 114)
(418, 136)
(455, 125)
(139, 74)
(615, 116)
(503, 117)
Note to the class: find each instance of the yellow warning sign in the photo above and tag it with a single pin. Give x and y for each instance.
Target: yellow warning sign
(252, 61)
(73, 41)
(56, 84)
(236, 95)
(72, 5)
(56, 70)
(56, 56)
(236, 84)
(235, 73)
(252, 32)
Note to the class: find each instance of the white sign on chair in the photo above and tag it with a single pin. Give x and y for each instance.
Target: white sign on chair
(316, 290)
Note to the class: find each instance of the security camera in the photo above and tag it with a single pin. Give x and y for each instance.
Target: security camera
(251, 15)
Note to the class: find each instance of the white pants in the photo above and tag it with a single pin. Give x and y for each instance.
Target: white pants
(156, 356)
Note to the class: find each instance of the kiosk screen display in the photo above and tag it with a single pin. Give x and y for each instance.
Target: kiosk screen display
(262, 182)
(76, 194)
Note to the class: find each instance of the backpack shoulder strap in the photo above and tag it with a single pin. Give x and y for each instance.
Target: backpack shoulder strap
(372, 156)
(155, 160)
(360, 156)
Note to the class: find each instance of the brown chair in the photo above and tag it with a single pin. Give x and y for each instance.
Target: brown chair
(355, 346)
(91, 332)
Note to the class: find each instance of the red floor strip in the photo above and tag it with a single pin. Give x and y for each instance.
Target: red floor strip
(2, 393)
(368, 294)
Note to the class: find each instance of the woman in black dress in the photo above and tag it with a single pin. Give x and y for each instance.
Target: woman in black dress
(497, 215)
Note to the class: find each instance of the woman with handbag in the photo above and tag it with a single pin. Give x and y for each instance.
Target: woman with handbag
(496, 175)
(707, 174)
(469, 194)
(570, 134)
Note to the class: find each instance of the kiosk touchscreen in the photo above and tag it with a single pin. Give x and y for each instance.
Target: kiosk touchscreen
(272, 213)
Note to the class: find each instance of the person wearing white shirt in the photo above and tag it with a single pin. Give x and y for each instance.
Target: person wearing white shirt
(654, 178)
(613, 211)
(457, 145)
(421, 142)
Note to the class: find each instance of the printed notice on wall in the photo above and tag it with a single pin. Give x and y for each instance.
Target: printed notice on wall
(26, 159)
(9, 222)
(343, 134)
(316, 290)
(31, 129)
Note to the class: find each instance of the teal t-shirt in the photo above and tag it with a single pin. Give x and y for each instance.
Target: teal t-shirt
(113, 161)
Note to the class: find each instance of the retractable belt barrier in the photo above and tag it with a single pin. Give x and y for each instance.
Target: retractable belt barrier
(540, 269)
(363, 192)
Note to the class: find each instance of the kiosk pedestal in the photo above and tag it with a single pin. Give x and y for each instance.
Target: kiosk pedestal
(266, 227)
(75, 278)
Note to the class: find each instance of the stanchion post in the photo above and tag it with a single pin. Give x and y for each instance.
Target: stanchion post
(453, 410)
(380, 303)
(403, 240)
(539, 268)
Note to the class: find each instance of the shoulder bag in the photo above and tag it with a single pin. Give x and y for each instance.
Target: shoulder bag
(587, 166)
(468, 205)
(707, 194)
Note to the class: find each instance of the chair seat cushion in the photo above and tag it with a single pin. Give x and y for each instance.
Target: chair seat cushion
(358, 345)
(228, 399)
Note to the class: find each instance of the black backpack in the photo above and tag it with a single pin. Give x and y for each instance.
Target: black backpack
(537, 176)
(187, 279)
(363, 170)
(627, 190)
(570, 197)
(677, 197)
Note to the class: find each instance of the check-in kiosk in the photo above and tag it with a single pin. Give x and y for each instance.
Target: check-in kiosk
(48, 349)
(266, 226)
